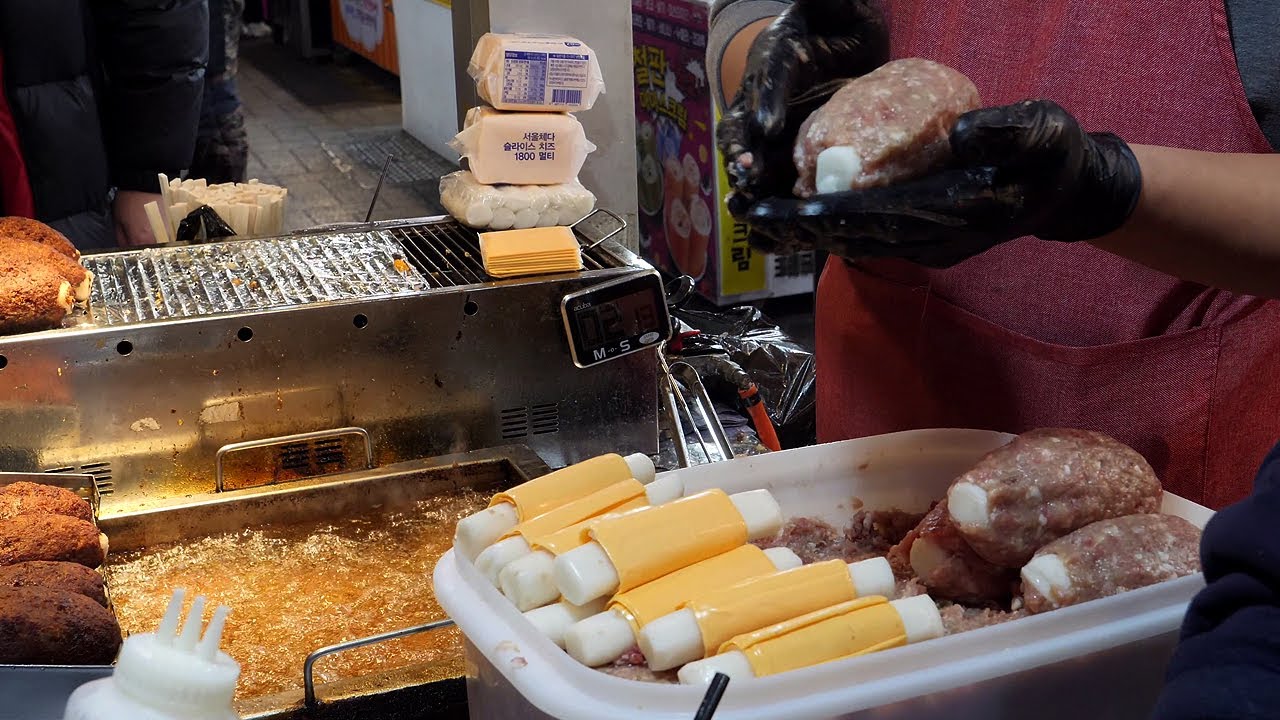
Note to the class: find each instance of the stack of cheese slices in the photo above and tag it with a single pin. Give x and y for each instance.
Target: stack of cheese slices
(537, 251)
(524, 150)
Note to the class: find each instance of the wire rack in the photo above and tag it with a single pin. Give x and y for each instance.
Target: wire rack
(254, 275)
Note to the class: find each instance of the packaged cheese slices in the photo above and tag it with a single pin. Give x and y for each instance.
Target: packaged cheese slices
(502, 207)
(522, 148)
(536, 73)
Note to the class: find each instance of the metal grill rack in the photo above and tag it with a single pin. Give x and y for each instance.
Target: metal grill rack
(254, 275)
(449, 254)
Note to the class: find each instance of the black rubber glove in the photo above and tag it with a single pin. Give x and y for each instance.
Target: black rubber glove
(1024, 169)
(793, 68)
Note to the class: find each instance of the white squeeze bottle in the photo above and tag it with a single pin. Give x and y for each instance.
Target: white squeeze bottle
(165, 675)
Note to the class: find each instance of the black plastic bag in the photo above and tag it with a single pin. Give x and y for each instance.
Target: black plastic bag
(783, 370)
(202, 225)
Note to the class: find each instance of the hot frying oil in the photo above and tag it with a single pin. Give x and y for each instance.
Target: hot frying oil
(295, 588)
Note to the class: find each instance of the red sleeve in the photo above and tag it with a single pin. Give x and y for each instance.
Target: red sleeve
(15, 188)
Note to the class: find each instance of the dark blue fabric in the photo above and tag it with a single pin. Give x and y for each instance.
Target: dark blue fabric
(105, 93)
(221, 98)
(1254, 24)
(1227, 664)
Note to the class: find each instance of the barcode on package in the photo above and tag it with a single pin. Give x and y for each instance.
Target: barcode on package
(528, 78)
(566, 97)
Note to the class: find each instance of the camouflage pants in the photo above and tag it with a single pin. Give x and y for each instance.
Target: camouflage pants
(221, 156)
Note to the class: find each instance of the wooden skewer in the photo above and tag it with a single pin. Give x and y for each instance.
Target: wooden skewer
(252, 208)
(159, 228)
(176, 214)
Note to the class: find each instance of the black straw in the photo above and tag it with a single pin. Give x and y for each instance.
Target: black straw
(711, 700)
(378, 190)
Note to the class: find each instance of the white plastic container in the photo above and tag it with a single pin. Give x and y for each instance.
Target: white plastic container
(1103, 659)
(165, 675)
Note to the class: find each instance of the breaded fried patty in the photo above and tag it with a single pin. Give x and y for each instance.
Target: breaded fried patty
(18, 256)
(31, 299)
(36, 231)
(39, 626)
(50, 537)
(71, 577)
(24, 498)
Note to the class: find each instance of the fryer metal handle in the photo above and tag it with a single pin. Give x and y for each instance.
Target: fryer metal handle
(8, 478)
(308, 667)
(622, 225)
(288, 439)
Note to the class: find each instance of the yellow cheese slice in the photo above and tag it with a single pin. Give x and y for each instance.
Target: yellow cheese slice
(521, 273)
(602, 501)
(548, 260)
(552, 490)
(858, 627)
(571, 262)
(549, 256)
(533, 241)
(646, 544)
(574, 536)
(723, 612)
(650, 601)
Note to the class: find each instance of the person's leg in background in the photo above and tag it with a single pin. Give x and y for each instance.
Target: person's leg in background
(222, 148)
(255, 18)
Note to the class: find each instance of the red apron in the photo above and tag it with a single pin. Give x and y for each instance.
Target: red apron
(1033, 333)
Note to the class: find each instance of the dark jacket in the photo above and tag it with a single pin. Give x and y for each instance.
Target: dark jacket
(105, 94)
(1227, 665)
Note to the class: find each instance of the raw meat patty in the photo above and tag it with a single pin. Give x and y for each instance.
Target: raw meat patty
(939, 557)
(1110, 557)
(871, 533)
(890, 125)
(24, 498)
(1045, 484)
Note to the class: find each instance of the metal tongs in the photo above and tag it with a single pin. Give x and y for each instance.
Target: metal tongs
(683, 395)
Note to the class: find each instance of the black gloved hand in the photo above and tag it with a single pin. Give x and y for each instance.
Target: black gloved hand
(1024, 169)
(793, 68)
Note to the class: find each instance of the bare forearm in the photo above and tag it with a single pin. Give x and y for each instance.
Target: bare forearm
(1210, 218)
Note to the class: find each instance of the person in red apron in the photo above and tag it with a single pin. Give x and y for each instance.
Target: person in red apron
(1099, 255)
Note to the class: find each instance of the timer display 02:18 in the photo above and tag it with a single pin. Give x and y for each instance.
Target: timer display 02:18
(609, 322)
(615, 318)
